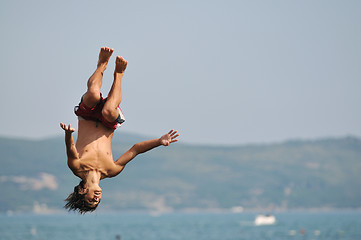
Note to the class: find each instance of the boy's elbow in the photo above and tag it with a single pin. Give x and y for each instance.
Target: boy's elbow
(135, 150)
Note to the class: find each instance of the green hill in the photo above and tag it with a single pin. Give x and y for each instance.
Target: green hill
(295, 174)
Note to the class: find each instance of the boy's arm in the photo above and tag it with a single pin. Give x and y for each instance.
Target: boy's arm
(71, 151)
(143, 147)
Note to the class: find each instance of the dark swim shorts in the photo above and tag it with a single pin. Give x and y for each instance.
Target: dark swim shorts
(95, 114)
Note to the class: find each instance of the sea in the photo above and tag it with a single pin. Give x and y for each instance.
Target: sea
(330, 225)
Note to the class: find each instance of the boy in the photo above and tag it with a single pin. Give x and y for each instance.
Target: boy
(91, 157)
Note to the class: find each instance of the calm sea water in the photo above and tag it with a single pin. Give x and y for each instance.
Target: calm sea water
(328, 226)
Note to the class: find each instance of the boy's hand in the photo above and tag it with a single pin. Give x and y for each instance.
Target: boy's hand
(67, 129)
(169, 138)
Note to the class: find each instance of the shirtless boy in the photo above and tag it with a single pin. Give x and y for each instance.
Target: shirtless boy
(91, 157)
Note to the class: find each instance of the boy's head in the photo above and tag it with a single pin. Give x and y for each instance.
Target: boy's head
(83, 199)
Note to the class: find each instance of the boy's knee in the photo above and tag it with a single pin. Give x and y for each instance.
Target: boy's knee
(91, 98)
(93, 94)
(110, 114)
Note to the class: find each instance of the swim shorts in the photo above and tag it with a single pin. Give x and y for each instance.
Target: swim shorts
(95, 114)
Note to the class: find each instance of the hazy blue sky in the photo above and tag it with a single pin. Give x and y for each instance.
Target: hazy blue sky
(221, 72)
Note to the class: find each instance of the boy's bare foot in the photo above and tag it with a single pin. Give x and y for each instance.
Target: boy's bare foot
(120, 65)
(104, 56)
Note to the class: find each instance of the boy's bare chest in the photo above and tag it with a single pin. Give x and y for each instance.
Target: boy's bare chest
(94, 148)
(100, 161)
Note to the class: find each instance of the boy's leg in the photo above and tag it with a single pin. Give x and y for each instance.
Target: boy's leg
(92, 96)
(110, 111)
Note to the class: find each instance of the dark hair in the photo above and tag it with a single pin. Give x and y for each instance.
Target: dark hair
(76, 201)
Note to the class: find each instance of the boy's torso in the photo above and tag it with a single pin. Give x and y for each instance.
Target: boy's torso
(94, 147)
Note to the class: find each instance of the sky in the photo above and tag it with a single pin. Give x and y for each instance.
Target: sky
(220, 72)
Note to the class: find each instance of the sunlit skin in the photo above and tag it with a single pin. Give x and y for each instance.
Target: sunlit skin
(91, 157)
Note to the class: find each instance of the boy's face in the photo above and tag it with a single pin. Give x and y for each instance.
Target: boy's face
(93, 197)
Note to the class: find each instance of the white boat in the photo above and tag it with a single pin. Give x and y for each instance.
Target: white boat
(265, 220)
